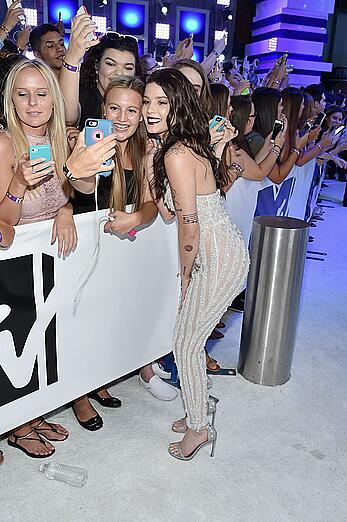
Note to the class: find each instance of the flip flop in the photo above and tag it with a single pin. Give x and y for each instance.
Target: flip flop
(15, 444)
(41, 431)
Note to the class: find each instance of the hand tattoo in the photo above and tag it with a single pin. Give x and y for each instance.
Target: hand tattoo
(190, 218)
(188, 248)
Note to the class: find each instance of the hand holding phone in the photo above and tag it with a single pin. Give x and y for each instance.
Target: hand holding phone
(95, 130)
(278, 127)
(90, 36)
(217, 121)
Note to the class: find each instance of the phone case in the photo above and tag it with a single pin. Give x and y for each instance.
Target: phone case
(217, 120)
(40, 151)
(90, 36)
(95, 130)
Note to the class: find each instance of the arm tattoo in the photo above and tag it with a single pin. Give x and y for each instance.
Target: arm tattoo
(188, 248)
(190, 218)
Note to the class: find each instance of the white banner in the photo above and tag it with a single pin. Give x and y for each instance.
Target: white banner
(247, 199)
(52, 351)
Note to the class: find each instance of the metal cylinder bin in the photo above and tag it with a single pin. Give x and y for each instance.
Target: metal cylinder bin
(278, 250)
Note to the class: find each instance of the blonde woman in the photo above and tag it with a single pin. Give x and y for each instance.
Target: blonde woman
(127, 186)
(36, 190)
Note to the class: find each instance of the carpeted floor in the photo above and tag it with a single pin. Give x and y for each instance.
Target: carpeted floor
(280, 455)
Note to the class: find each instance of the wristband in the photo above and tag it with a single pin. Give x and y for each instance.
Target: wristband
(13, 198)
(237, 169)
(275, 151)
(216, 53)
(71, 68)
(296, 150)
(277, 81)
(6, 31)
(319, 146)
(278, 147)
(68, 174)
(0, 237)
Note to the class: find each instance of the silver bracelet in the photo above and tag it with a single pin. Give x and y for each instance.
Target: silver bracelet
(68, 174)
(237, 169)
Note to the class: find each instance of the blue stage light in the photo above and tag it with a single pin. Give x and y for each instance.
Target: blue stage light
(67, 8)
(130, 18)
(192, 22)
(198, 54)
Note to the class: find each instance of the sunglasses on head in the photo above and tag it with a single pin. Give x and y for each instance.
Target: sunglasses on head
(113, 35)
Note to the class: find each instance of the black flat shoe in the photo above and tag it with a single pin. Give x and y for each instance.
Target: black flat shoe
(107, 402)
(93, 424)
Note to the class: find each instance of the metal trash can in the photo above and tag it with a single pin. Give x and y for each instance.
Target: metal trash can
(278, 250)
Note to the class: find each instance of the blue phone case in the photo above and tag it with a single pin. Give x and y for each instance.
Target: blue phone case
(40, 151)
(96, 130)
(217, 120)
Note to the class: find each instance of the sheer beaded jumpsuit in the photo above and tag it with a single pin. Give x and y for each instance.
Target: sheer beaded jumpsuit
(218, 275)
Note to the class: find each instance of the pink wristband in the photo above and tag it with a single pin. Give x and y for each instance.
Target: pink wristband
(132, 232)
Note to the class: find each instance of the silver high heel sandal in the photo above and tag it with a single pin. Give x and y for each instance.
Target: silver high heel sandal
(211, 410)
(211, 439)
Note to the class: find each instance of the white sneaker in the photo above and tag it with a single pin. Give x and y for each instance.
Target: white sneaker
(159, 370)
(159, 389)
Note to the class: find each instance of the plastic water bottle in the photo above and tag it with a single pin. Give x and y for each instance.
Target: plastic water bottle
(70, 475)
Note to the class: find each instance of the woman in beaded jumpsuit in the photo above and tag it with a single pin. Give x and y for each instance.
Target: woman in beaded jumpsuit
(213, 255)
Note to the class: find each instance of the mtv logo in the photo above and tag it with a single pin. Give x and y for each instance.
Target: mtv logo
(274, 200)
(27, 326)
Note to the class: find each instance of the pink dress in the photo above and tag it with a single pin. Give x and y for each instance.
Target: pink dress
(45, 199)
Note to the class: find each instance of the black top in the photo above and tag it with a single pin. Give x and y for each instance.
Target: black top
(90, 101)
(86, 202)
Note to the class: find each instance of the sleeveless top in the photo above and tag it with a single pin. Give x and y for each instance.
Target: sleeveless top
(43, 201)
(86, 202)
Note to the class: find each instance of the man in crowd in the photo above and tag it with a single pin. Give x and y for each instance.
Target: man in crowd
(316, 90)
(47, 43)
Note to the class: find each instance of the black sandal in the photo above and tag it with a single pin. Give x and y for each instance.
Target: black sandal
(40, 431)
(15, 444)
(1, 457)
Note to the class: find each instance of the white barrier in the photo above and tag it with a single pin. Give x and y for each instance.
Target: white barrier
(247, 199)
(51, 352)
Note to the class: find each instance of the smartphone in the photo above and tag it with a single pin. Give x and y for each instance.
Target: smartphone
(40, 151)
(319, 119)
(217, 121)
(90, 36)
(246, 91)
(191, 36)
(339, 129)
(284, 58)
(20, 17)
(306, 128)
(59, 17)
(94, 131)
(276, 129)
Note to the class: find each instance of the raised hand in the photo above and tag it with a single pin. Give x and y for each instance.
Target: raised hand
(82, 26)
(14, 15)
(85, 162)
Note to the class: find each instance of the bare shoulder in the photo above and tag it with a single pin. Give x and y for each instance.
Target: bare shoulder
(6, 147)
(178, 151)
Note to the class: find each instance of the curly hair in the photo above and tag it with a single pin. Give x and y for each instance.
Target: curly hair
(186, 122)
(93, 56)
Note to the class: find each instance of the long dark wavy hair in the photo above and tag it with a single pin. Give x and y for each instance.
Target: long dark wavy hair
(266, 102)
(205, 96)
(242, 107)
(292, 100)
(93, 56)
(136, 151)
(186, 122)
(220, 99)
